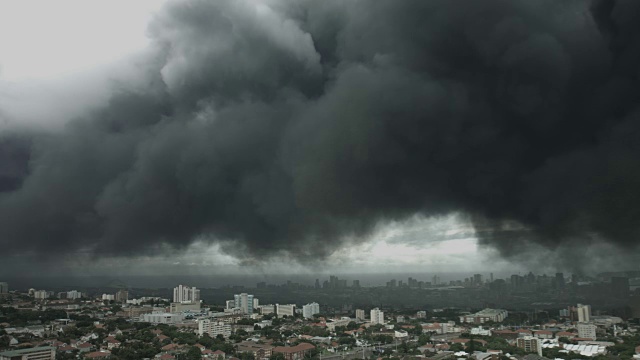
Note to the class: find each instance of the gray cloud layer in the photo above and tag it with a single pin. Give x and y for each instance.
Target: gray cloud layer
(291, 126)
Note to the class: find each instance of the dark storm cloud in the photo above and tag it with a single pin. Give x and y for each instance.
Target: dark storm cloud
(294, 126)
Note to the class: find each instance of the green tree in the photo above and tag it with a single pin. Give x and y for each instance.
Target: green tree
(194, 353)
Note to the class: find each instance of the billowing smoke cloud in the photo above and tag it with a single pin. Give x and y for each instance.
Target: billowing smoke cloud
(295, 126)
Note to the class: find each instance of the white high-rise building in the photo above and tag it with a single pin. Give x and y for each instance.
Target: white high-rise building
(586, 331)
(256, 303)
(310, 309)
(213, 328)
(360, 314)
(377, 316)
(183, 293)
(244, 302)
(584, 313)
(74, 294)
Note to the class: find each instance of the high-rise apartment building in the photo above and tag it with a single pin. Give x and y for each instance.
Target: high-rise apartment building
(584, 313)
(377, 316)
(244, 302)
(183, 293)
(4, 288)
(530, 344)
(360, 314)
(74, 294)
(310, 309)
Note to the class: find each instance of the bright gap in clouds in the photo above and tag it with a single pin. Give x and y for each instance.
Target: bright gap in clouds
(45, 39)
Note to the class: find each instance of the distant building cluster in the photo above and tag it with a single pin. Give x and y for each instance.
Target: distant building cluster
(486, 315)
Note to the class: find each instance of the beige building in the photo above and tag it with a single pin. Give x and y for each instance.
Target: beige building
(37, 353)
(176, 308)
(530, 344)
(213, 328)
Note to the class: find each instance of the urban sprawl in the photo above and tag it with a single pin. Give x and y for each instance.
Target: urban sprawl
(530, 317)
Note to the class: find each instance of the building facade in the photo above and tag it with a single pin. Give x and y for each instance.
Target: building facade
(288, 310)
(530, 344)
(586, 331)
(360, 314)
(584, 313)
(183, 293)
(310, 309)
(486, 315)
(162, 318)
(214, 328)
(244, 302)
(377, 316)
(37, 353)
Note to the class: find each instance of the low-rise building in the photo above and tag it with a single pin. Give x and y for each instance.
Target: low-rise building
(37, 353)
(294, 352)
(486, 315)
(213, 328)
(162, 318)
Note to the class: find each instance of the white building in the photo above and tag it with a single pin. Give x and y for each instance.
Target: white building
(267, 309)
(584, 313)
(360, 314)
(41, 294)
(377, 316)
(73, 294)
(183, 293)
(162, 318)
(482, 316)
(244, 302)
(586, 331)
(288, 310)
(213, 328)
(108, 297)
(421, 314)
(176, 308)
(310, 309)
(256, 303)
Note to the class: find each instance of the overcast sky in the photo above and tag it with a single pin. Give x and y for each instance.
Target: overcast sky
(194, 136)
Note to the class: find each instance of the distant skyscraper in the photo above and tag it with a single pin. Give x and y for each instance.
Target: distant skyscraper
(377, 316)
(122, 296)
(244, 302)
(317, 284)
(477, 279)
(356, 283)
(491, 277)
(620, 287)
(560, 280)
(183, 293)
(4, 288)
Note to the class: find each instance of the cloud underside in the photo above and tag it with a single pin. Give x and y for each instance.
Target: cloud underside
(297, 128)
